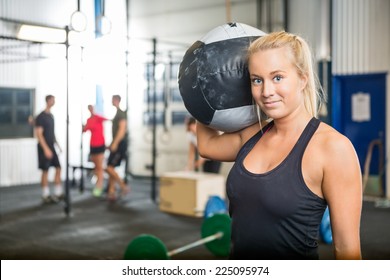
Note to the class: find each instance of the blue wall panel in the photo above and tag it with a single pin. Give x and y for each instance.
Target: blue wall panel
(361, 133)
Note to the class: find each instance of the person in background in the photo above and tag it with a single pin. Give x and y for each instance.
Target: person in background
(118, 151)
(94, 124)
(47, 155)
(196, 162)
(290, 167)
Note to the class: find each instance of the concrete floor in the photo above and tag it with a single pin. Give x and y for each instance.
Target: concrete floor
(97, 229)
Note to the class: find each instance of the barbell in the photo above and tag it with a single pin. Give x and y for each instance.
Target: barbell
(215, 233)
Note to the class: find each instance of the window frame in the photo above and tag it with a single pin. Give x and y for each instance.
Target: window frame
(17, 128)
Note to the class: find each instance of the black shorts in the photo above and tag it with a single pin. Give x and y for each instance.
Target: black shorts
(211, 166)
(44, 163)
(97, 150)
(115, 158)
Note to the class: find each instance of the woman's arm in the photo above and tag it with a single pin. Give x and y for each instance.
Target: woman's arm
(342, 189)
(101, 118)
(87, 125)
(222, 147)
(191, 157)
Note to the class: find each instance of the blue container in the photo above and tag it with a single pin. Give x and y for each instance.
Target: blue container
(214, 205)
(325, 228)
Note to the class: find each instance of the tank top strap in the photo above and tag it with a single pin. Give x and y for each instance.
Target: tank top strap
(252, 141)
(306, 135)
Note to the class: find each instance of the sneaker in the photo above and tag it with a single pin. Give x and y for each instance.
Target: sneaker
(57, 198)
(125, 191)
(97, 192)
(111, 197)
(46, 199)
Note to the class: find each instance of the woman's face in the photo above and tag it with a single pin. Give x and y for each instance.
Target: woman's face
(275, 83)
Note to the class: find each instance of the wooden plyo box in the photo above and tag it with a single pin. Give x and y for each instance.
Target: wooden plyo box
(187, 192)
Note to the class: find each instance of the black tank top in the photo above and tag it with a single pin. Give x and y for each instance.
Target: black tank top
(274, 214)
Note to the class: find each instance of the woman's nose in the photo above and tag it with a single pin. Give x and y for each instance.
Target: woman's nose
(267, 89)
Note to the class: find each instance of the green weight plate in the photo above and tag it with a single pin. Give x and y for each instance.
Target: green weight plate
(218, 223)
(146, 247)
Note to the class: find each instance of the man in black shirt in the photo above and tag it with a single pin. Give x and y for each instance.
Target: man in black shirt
(118, 151)
(47, 156)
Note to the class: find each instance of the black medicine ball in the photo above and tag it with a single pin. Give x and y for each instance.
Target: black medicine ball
(214, 79)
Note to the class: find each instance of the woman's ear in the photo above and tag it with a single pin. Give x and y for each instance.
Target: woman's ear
(303, 81)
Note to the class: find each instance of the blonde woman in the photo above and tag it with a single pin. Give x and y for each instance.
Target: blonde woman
(290, 168)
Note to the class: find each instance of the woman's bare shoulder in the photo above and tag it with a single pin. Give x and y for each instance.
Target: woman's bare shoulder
(330, 141)
(251, 130)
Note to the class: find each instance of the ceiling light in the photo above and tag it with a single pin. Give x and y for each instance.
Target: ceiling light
(41, 34)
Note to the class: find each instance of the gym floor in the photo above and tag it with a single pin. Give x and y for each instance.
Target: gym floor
(96, 229)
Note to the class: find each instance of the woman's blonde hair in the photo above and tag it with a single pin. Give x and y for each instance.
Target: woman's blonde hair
(302, 59)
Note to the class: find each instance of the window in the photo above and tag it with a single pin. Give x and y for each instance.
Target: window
(16, 106)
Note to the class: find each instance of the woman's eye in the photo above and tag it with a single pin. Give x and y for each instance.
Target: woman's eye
(256, 81)
(278, 78)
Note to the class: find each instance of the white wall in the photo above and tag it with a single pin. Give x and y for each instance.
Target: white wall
(311, 22)
(361, 36)
(185, 21)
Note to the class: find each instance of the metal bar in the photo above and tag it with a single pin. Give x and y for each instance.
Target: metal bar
(366, 173)
(154, 125)
(285, 15)
(269, 16)
(67, 206)
(210, 238)
(28, 41)
(31, 23)
(81, 186)
(127, 5)
(228, 11)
